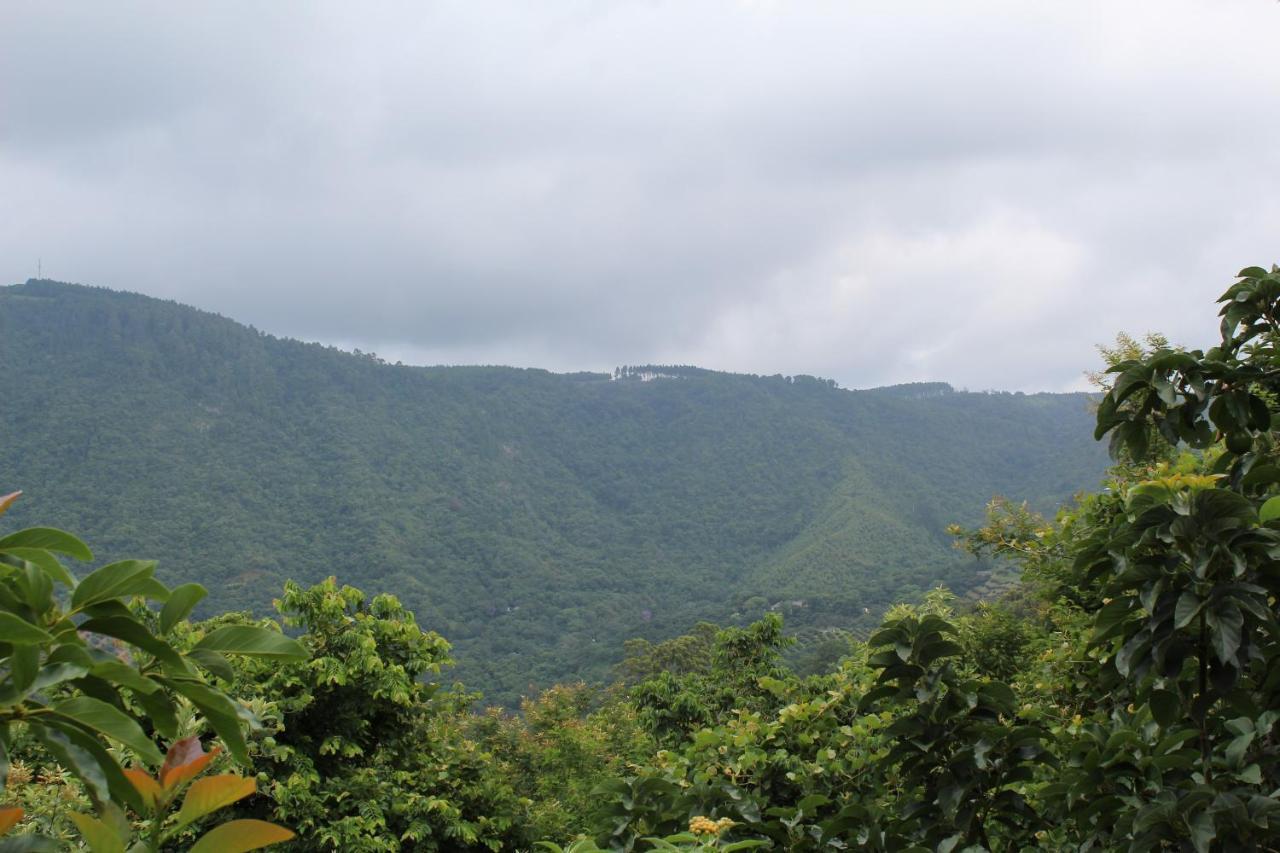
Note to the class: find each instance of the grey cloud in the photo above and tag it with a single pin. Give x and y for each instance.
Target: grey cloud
(872, 192)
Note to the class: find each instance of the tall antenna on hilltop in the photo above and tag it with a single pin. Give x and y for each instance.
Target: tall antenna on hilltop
(39, 268)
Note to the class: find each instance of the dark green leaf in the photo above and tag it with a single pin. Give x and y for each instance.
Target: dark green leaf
(254, 642)
(127, 577)
(112, 723)
(180, 604)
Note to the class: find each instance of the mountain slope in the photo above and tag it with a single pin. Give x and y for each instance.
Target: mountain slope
(534, 519)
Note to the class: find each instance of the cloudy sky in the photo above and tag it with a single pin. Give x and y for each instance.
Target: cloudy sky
(874, 192)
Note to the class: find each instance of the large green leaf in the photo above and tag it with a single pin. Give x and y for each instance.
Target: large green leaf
(20, 632)
(50, 539)
(112, 723)
(126, 577)
(46, 561)
(252, 641)
(135, 633)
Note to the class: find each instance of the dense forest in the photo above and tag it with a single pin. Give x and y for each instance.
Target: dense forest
(1121, 693)
(537, 520)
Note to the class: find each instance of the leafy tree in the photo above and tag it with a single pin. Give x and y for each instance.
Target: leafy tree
(364, 754)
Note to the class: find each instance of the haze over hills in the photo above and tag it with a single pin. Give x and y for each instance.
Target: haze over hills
(537, 520)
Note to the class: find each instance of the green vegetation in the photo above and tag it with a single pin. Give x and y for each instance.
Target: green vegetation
(1122, 694)
(85, 672)
(536, 520)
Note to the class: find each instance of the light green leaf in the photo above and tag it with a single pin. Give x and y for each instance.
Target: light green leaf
(100, 837)
(50, 539)
(20, 632)
(1270, 510)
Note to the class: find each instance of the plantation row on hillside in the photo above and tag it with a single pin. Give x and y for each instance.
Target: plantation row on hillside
(535, 519)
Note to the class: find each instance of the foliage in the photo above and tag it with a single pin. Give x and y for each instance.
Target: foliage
(360, 751)
(185, 761)
(533, 519)
(87, 678)
(564, 744)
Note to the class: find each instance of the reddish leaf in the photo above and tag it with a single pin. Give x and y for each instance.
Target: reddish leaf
(184, 762)
(6, 501)
(147, 787)
(9, 817)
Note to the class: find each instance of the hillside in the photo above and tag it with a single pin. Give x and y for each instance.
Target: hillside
(536, 520)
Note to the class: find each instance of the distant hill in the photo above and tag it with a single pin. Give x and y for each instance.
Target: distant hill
(536, 520)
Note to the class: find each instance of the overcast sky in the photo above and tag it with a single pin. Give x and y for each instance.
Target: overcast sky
(874, 192)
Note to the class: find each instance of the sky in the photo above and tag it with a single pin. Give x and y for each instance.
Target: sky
(872, 192)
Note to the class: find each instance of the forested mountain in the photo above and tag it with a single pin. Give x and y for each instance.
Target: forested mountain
(535, 519)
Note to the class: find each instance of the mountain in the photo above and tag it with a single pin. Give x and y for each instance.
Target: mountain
(535, 519)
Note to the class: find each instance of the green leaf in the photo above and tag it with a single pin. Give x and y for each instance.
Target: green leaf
(126, 577)
(120, 673)
(1189, 606)
(180, 604)
(46, 562)
(135, 633)
(253, 641)
(1166, 707)
(1252, 272)
(20, 632)
(100, 837)
(1251, 775)
(218, 710)
(111, 722)
(238, 836)
(1226, 624)
(214, 663)
(121, 790)
(160, 709)
(73, 756)
(1270, 510)
(50, 539)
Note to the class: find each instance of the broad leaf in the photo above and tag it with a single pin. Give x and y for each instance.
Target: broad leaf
(180, 604)
(20, 632)
(253, 641)
(185, 760)
(239, 836)
(50, 539)
(212, 793)
(127, 577)
(112, 723)
(100, 837)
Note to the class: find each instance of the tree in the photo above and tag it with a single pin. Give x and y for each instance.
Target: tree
(365, 754)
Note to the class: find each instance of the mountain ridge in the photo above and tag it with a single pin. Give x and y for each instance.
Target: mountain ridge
(535, 519)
